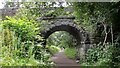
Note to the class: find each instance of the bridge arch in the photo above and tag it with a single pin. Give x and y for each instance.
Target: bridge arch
(69, 26)
(71, 30)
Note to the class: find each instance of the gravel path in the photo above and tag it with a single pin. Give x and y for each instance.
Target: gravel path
(62, 61)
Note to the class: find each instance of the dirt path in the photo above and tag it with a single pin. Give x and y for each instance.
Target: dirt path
(62, 61)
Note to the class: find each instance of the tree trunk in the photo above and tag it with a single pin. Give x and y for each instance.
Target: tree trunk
(111, 34)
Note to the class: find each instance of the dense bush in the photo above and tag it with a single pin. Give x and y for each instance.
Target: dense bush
(11, 55)
(17, 47)
(100, 56)
(24, 28)
(70, 52)
(116, 55)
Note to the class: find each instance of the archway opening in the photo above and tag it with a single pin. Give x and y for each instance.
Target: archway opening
(61, 39)
(62, 42)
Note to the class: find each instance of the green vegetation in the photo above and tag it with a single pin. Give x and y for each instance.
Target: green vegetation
(61, 39)
(17, 53)
(101, 21)
(70, 53)
(24, 28)
(100, 55)
(53, 49)
(18, 34)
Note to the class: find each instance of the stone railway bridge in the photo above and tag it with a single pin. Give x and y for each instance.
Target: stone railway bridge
(67, 24)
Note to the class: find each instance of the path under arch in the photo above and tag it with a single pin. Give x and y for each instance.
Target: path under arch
(62, 61)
